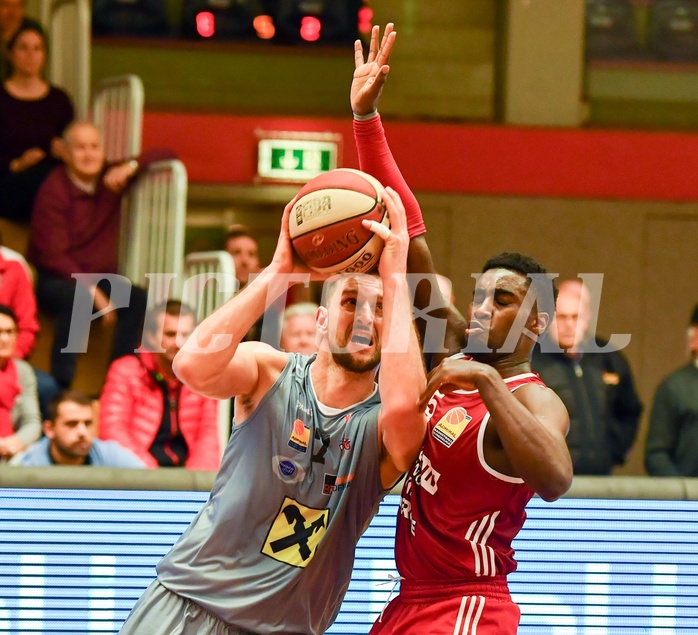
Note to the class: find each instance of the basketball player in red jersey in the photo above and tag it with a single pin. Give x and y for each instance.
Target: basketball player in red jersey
(496, 433)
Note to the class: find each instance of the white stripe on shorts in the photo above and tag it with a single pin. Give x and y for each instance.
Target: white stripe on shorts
(475, 605)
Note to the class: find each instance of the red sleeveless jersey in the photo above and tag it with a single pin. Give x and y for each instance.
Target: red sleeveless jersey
(458, 516)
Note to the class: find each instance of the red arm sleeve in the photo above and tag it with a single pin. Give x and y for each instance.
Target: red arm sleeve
(376, 159)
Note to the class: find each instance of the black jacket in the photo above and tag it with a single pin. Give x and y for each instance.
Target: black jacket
(599, 394)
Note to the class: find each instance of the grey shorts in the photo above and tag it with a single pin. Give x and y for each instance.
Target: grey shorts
(161, 612)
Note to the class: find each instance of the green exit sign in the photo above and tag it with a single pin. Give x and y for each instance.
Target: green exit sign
(294, 159)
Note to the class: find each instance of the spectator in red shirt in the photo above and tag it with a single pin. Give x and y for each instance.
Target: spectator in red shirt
(75, 230)
(149, 411)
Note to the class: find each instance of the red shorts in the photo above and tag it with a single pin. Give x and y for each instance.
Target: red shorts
(480, 608)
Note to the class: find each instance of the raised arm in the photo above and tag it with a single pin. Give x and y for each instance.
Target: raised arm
(530, 425)
(376, 159)
(214, 362)
(401, 378)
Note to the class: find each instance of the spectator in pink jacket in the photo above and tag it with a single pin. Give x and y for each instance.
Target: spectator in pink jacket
(148, 410)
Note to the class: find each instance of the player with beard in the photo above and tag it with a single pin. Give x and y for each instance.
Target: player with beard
(495, 432)
(311, 454)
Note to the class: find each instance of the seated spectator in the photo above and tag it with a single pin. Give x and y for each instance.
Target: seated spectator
(149, 411)
(75, 230)
(298, 328)
(17, 292)
(597, 388)
(672, 438)
(12, 17)
(20, 424)
(244, 249)
(69, 438)
(33, 115)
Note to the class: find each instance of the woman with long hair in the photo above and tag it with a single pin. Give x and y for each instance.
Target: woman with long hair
(33, 115)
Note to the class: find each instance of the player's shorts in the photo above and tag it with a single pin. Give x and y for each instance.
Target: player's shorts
(161, 612)
(485, 608)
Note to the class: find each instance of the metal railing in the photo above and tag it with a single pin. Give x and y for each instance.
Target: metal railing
(117, 110)
(68, 24)
(209, 281)
(152, 229)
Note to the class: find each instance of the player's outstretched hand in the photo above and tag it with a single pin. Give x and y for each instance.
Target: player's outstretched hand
(393, 258)
(370, 75)
(450, 375)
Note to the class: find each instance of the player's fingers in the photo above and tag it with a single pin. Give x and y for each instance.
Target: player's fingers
(373, 46)
(377, 228)
(428, 393)
(386, 45)
(286, 215)
(396, 210)
(358, 54)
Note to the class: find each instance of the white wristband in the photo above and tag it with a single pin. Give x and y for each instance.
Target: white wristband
(370, 115)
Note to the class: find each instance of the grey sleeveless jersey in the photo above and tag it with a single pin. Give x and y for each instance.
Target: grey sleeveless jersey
(272, 550)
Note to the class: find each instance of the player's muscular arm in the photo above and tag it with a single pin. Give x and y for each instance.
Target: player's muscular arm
(213, 362)
(401, 426)
(526, 435)
(530, 424)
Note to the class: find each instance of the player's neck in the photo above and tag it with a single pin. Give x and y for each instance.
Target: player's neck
(339, 388)
(506, 365)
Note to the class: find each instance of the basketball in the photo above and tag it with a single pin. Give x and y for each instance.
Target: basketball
(325, 222)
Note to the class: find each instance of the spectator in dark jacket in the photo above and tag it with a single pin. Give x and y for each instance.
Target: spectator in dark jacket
(75, 230)
(672, 439)
(597, 388)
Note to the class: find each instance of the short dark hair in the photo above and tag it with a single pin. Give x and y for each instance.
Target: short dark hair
(6, 310)
(523, 264)
(176, 308)
(237, 231)
(75, 396)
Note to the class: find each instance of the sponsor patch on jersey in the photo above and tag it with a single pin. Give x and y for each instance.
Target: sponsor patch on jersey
(287, 470)
(295, 533)
(334, 484)
(344, 446)
(300, 437)
(451, 426)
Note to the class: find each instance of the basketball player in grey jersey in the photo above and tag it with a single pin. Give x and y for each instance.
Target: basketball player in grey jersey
(311, 455)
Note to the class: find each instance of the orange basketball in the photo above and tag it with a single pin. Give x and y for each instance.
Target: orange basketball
(325, 223)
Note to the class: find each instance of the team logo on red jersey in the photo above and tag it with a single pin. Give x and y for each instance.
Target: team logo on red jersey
(451, 426)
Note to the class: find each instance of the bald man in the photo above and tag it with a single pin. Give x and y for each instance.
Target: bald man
(597, 388)
(75, 230)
